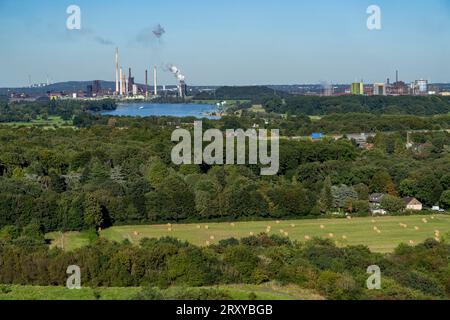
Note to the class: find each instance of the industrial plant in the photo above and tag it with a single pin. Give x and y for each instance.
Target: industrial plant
(126, 87)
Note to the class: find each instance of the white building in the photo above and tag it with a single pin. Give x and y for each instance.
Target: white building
(379, 89)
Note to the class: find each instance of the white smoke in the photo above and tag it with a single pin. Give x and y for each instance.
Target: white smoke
(176, 72)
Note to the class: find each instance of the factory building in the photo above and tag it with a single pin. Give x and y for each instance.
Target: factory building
(96, 87)
(89, 91)
(379, 89)
(182, 89)
(419, 87)
(357, 88)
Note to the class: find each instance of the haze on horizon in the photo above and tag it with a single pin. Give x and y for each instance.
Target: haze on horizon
(226, 42)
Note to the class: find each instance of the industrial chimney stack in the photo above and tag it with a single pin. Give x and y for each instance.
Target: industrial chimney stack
(146, 83)
(117, 71)
(155, 80)
(121, 82)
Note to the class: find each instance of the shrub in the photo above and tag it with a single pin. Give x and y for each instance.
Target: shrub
(148, 294)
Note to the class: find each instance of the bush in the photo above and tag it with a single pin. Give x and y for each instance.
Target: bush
(149, 294)
(337, 286)
(196, 294)
(5, 289)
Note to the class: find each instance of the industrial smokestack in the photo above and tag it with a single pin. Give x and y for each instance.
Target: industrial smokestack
(117, 70)
(146, 83)
(130, 82)
(155, 80)
(124, 83)
(121, 82)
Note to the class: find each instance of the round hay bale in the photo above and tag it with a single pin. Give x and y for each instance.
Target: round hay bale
(416, 228)
(208, 243)
(307, 238)
(373, 221)
(281, 231)
(252, 234)
(169, 229)
(278, 222)
(322, 226)
(344, 237)
(199, 226)
(437, 239)
(212, 238)
(378, 231)
(206, 227)
(292, 225)
(331, 235)
(349, 217)
(232, 224)
(136, 233)
(286, 234)
(424, 220)
(411, 242)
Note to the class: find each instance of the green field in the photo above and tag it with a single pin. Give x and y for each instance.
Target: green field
(257, 108)
(68, 241)
(380, 234)
(268, 291)
(48, 123)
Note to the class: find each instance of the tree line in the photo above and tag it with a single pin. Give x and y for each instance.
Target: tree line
(335, 273)
(315, 105)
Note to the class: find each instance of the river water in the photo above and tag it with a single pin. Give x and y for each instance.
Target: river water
(145, 109)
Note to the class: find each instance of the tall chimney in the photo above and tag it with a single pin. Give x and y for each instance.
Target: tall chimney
(130, 85)
(121, 82)
(117, 70)
(146, 83)
(396, 76)
(155, 80)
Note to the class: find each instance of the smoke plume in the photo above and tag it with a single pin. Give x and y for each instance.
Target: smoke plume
(176, 72)
(158, 31)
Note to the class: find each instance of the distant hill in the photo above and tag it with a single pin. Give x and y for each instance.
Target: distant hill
(241, 93)
(59, 87)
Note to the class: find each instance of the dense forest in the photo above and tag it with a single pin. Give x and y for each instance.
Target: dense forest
(120, 172)
(420, 272)
(66, 109)
(312, 105)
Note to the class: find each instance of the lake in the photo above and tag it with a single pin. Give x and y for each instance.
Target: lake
(145, 109)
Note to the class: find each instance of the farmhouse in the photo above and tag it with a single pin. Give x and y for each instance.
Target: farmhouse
(413, 204)
(375, 204)
(375, 198)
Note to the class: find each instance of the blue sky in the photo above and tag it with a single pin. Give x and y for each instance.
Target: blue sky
(231, 42)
